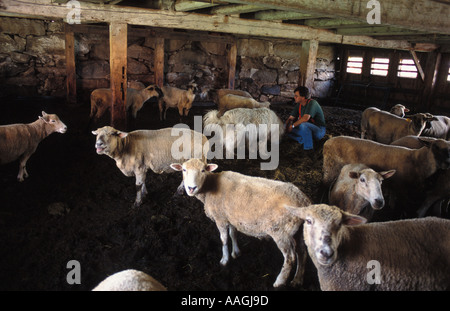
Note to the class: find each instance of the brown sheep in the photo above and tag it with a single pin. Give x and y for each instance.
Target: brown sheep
(101, 101)
(384, 127)
(231, 101)
(20, 141)
(404, 255)
(172, 97)
(251, 205)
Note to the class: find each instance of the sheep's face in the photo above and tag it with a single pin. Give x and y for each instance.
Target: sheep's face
(106, 140)
(368, 185)
(194, 174)
(53, 120)
(323, 230)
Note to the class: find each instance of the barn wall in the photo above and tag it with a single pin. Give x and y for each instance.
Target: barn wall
(32, 57)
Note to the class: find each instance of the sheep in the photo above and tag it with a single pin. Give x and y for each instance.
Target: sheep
(439, 128)
(231, 101)
(20, 141)
(130, 280)
(404, 255)
(251, 205)
(247, 123)
(412, 167)
(172, 97)
(101, 101)
(399, 110)
(358, 188)
(138, 151)
(384, 127)
(440, 185)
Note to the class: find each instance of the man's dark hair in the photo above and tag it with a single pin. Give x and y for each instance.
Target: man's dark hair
(303, 91)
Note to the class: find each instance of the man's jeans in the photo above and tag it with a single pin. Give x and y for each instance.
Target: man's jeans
(305, 132)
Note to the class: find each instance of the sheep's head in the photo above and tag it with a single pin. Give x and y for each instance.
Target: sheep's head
(194, 174)
(368, 185)
(55, 123)
(323, 230)
(106, 140)
(153, 91)
(441, 152)
(399, 110)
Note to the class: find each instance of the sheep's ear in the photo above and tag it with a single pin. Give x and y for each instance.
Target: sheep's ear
(121, 134)
(352, 220)
(405, 109)
(95, 133)
(387, 174)
(211, 167)
(296, 211)
(44, 113)
(353, 175)
(176, 166)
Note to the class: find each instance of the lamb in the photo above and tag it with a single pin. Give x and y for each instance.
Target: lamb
(412, 167)
(138, 151)
(439, 128)
(404, 255)
(130, 280)
(172, 97)
(440, 188)
(399, 110)
(101, 101)
(357, 190)
(384, 127)
(231, 101)
(20, 141)
(251, 205)
(247, 123)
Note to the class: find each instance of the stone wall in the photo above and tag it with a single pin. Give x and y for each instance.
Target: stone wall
(32, 58)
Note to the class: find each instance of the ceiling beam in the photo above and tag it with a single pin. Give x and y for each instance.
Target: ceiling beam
(272, 15)
(329, 23)
(193, 21)
(235, 9)
(187, 5)
(422, 15)
(377, 31)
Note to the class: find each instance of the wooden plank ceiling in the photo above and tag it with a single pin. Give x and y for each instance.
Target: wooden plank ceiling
(405, 24)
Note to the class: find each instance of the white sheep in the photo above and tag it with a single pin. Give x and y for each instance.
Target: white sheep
(438, 128)
(101, 101)
(384, 127)
(248, 125)
(399, 110)
(232, 101)
(130, 280)
(357, 190)
(138, 151)
(251, 205)
(405, 255)
(20, 141)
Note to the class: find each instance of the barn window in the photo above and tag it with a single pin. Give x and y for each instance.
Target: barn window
(448, 76)
(354, 64)
(379, 66)
(407, 69)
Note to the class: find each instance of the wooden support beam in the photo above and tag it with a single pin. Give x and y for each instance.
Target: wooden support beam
(418, 65)
(235, 9)
(187, 5)
(273, 15)
(159, 61)
(192, 21)
(231, 62)
(308, 55)
(71, 77)
(118, 74)
(431, 72)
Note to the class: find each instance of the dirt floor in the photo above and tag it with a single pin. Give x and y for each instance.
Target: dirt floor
(77, 205)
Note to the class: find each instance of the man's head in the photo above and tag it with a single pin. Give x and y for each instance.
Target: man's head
(301, 93)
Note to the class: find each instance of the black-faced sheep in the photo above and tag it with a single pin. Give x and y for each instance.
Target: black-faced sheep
(404, 255)
(357, 190)
(251, 205)
(20, 141)
(138, 151)
(130, 280)
(384, 127)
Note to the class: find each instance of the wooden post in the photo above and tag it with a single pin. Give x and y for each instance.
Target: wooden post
(71, 77)
(231, 62)
(418, 66)
(159, 61)
(431, 72)
(308, 56)
(118, 74)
